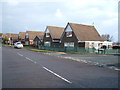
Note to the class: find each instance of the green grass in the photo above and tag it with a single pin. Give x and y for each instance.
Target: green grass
(7, 45)
(37, 50)
(30, 47)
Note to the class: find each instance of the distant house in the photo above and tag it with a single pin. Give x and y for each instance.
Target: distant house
(0, 37)
(13, 38)
(9, 38)
(6, 38)
(52, 36)
(29, 37)
(79, 35)
(21, 37)
(38, 39)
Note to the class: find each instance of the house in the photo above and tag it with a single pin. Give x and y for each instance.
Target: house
(0, 37)
(21, 37)
(116, 46)
(29, 37)
(6, 38)
(9, 38)
(52, 36)
(79, 35)
(38, 39)
(13, 38)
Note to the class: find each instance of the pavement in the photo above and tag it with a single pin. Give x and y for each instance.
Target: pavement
(27, 69)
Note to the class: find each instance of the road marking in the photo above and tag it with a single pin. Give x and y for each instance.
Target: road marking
(19, 54)
(35, 62)
(57, 75)
(31, 60)
(28, 58)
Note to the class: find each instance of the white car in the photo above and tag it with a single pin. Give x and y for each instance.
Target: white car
(18, 45)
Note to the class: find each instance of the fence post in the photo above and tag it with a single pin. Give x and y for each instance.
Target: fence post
(65, 49)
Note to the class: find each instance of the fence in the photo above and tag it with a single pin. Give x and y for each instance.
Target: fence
(80, 50)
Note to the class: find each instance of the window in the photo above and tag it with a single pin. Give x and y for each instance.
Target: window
(47, 34)
(69, 34)
(56, 40)
(47, 44)
(69, 44)
(26, 35)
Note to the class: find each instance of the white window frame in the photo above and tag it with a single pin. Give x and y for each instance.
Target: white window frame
(69, 34)
(69, 44)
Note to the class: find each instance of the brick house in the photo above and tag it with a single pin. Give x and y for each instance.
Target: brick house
(21, 37)
(79, 35)
(38, 40)
(9, 38)
(13, 38)
(29, 37)
(52, 36)
(6, 38)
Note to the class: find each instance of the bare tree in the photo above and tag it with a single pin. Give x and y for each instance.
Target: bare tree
(107, 37)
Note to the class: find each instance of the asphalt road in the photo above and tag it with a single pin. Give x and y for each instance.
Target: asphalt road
(27, 69)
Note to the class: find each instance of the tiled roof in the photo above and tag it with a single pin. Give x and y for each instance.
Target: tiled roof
(85, 32)
(56, 32)
(6, 35)
(14, 36)
(33, 34)
(22, 35)
(10, 35)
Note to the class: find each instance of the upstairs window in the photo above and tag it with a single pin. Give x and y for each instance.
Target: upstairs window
(26, 35)
(69, 34)
(47, 34)
(68, 31)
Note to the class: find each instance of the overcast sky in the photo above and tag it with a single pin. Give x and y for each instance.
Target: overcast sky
(21, 15)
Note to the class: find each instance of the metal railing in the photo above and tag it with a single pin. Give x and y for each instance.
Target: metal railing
(80, 50)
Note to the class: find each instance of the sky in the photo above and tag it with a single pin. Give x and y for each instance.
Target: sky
(21, 15)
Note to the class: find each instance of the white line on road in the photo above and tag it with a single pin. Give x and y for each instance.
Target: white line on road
(31, 60)
(57, 75)
(19, 54)
(28, 58)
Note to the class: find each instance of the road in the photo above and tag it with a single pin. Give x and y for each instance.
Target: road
(27, 69)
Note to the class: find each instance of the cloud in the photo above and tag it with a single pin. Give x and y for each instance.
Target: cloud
(110, 22)
(58, 13)
(13, 2)
(19, 14)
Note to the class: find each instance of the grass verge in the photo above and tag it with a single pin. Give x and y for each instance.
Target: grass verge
(37, 50)
(7, 45)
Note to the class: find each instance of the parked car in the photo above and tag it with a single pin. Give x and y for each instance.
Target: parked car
(18, 45)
